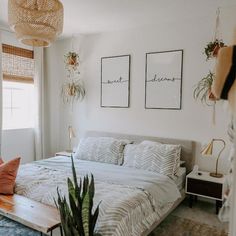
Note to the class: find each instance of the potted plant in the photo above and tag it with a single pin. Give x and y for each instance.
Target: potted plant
(203, 88)
(212, 48)
(76, 216)
(72, 90)
(72, 59)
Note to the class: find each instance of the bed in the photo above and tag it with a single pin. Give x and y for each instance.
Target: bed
(133, 201)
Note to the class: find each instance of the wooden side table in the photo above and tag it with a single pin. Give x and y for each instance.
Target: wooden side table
(202, 184)
(35, 215)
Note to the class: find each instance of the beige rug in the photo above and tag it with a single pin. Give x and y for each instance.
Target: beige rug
(177, 226)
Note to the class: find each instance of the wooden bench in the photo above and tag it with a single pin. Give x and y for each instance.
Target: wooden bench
(32, 214)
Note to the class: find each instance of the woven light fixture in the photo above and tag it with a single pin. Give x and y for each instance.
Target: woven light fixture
(36, 22)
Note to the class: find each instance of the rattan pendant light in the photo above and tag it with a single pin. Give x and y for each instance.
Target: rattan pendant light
(36, 22)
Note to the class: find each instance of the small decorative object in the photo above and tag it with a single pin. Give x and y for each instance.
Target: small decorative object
(71, 135)
(208, 150)
(76, 216)
(36, 22)
(203, 87)
(163, 84)
(212, 48)
(115, 81)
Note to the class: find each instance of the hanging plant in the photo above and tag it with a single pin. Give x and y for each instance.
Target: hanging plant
(203, 88)
(72, 60)
(212, 48)
(72, 90)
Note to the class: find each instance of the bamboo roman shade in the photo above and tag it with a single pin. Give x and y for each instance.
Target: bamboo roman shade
(17, 64)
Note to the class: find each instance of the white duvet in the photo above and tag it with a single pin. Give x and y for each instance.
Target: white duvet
(131, 199)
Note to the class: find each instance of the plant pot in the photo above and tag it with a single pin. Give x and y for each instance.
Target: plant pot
(212, 48)
(72, 61)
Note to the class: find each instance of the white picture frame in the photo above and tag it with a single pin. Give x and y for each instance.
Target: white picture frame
(115, 81)
(163, 80)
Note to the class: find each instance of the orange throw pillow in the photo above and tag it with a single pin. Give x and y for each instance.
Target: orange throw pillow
(8, 172)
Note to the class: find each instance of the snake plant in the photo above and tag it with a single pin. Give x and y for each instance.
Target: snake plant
(203, 87)
(77, 218)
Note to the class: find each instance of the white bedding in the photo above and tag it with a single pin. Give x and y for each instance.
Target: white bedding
(179, 179)
(131, 200)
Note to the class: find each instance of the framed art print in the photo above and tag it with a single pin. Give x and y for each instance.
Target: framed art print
(163, 80)
(115, 81)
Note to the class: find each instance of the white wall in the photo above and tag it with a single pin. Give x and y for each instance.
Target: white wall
(17, 142)
(192, 122)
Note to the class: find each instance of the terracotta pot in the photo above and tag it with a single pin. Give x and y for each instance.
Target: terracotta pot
(211, 96)
(72, 61)
(216, 50)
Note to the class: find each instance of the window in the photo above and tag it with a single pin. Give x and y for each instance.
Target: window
(18, 87)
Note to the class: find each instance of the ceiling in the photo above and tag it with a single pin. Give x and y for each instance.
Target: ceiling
(94, 16)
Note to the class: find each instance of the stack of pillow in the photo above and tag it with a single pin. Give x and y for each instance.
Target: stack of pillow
(147, 155)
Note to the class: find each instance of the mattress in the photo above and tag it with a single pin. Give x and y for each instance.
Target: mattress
(132, 200)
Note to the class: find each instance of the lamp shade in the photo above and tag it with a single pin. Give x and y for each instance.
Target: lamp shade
(207, 151)
(36, 22)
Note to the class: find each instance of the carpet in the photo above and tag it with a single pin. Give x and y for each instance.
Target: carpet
(177, 226)
(11, 228)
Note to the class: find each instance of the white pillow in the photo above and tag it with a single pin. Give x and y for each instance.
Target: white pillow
(101, 149)
(148, 142)
(157, 158)
(177, 160)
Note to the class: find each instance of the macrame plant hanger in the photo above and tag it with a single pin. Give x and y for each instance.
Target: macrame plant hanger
(217, 36)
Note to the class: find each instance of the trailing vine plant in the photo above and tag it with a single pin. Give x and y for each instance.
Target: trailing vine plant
(203, 87)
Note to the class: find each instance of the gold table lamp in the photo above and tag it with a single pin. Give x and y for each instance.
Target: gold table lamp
(71, 135)
(208, 150)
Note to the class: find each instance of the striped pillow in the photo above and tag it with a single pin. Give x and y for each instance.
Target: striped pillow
(178, 153)
(101, 149)
(157, 158)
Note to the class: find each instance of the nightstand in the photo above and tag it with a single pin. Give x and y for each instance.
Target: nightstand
(64, 153)
(202, 184)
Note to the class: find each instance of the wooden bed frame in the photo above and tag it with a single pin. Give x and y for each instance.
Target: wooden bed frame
(188, 151)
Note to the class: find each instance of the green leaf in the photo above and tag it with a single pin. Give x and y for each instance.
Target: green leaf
(71, 188)
(94, 219)
(85, 186)
(86, 214)
(77, 215)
